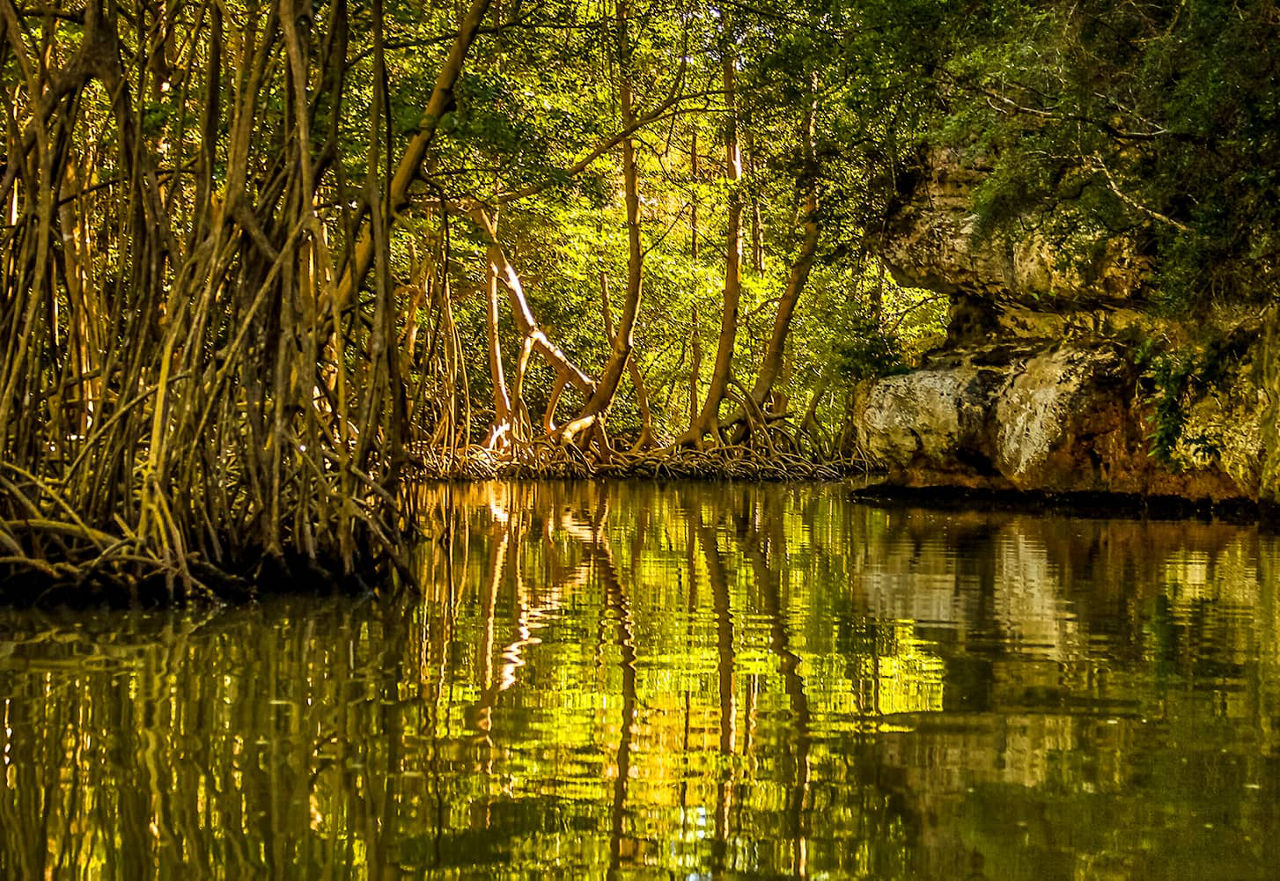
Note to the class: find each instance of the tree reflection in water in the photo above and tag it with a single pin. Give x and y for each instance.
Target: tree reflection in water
(700, 680)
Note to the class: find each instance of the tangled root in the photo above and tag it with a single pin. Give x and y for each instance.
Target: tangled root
(543, 458)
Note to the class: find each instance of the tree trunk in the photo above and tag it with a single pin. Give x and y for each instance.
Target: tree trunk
(708, 421)
(633, 370)
(771, 363)
(520, 310)
(624, 340)
(757, 232)
(695, 364)
(500, 433)
(695, 368)
(440, 102)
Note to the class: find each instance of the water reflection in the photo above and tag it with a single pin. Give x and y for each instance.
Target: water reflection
(692, 681)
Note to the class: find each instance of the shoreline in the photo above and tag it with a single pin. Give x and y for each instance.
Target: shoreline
(255, 575)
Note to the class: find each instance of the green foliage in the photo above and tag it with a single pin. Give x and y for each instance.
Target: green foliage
(1173, 378)
(869, 350)
(1108, 118)
(1168, 376)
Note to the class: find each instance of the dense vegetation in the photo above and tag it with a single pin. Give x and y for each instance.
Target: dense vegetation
(1152, 123)
(257, 260)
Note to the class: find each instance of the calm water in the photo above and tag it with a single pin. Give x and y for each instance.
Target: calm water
(681, 682)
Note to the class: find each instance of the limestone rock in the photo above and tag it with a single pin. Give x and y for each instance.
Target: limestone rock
(933, 241)
(1038, 387)
(929, 421)
(1050, 414)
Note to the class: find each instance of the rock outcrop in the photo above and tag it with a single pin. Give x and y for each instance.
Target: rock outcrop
(1045, 381)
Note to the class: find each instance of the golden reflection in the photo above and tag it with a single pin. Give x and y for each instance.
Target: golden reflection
(626, 680)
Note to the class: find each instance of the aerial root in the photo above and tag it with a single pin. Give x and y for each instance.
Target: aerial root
(51, 556)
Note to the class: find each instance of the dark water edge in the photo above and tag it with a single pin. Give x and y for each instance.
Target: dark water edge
(873, 489)
(249, 576)
(684, 680)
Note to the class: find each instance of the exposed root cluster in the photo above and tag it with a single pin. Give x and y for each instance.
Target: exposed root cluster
(543, 458)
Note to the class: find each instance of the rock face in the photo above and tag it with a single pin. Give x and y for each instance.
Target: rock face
(1045, 381)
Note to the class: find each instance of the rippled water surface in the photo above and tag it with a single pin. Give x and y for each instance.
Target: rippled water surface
(694, 681)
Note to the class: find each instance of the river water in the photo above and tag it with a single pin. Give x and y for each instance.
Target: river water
(689, 681)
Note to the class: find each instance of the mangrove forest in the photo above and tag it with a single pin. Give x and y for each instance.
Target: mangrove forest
(264, 265)
(755, 439)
